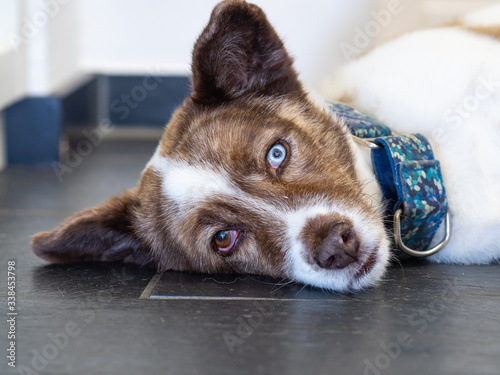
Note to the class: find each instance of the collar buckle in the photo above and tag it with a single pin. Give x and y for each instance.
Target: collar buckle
(409, 177)
(420, 254)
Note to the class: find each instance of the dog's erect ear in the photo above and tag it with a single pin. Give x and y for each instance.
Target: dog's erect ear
(239, 53)
(103, 233)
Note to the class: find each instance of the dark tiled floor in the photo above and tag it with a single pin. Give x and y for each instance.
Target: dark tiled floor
(91, 319)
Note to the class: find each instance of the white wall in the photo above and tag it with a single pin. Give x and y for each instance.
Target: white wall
(9, 22)
(425, 13)
(39, 48)
(65, 39)
(12, 63)
(12, 77)
(12, 67)
(64, 43)
(3, 149)
(139, 35)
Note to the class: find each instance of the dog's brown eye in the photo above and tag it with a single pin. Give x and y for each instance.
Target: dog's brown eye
(225, 240)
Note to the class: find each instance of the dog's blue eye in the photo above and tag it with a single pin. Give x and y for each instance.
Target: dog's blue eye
(276, 155)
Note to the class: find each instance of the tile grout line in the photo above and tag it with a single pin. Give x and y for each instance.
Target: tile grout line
(17, 212)
(149, 288)
(207, 298)
(146, 294)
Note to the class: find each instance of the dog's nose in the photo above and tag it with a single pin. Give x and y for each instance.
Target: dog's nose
(339, 248)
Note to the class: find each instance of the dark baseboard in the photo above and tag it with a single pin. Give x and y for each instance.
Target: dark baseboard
(145, 100)
(80, 106)
(126, 100)
(34, 126)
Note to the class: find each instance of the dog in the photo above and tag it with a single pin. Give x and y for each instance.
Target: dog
(253, 176)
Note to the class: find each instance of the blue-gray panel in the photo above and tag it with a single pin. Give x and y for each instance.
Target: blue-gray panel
(145, 100)
(33, 127)
(79, 106)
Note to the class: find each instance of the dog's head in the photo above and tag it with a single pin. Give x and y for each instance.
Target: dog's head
(249, 177)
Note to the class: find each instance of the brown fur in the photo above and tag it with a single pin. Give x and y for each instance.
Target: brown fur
(102, 233)
(246, 97)
(491, 31)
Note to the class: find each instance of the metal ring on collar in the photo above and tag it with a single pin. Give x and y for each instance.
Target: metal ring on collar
(399, 241)
(367, 142)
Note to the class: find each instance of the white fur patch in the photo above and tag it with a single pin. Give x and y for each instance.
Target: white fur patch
(187, 184)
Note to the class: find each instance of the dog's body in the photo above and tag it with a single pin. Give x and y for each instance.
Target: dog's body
(445, 84)
(251, 176)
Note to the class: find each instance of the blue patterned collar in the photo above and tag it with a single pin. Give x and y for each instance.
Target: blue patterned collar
(410, 179)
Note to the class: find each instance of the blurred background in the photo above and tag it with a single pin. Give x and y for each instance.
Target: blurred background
(69, 67)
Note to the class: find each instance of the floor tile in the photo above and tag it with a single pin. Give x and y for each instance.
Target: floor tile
(90, 318)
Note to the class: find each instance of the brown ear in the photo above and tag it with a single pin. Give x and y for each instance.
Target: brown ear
(104, 233)
(240, 53)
